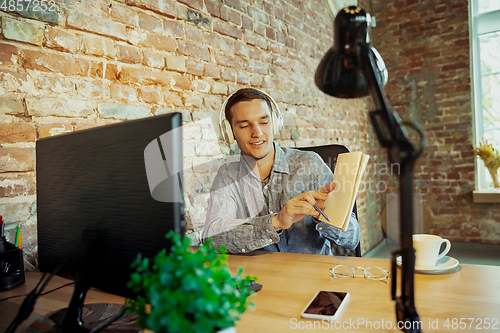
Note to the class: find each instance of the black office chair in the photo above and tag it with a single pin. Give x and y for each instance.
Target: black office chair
(329, 154)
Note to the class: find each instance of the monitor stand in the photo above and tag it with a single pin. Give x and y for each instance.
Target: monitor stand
(82, 318)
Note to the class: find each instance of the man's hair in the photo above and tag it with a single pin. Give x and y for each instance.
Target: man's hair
(245, 94)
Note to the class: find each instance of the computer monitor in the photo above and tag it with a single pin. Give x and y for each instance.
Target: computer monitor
(104, 195)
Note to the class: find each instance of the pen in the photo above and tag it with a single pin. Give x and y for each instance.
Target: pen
(17, 234)
(20, 239)
(1, 226)
(319, 210)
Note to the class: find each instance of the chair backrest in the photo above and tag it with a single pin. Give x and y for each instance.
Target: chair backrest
(329, 155)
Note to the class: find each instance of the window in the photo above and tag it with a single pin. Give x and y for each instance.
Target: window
(486, 77)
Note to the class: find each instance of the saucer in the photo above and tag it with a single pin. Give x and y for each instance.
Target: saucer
(442, 264)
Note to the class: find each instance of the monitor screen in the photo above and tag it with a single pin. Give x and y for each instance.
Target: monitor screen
(106, 194)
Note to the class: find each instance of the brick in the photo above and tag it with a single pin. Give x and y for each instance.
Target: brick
(14, 185)
(150, 22)
(124, 14)
(228, 60)
(256, 40)
(61, 40)
(196, 4)
(213, 7)
(166, 7)
(9, 54)
(143, 76)
(123, 93)
(129, 54)
(92, 89)
(200, 86)
(194, 67)
(159, 42)
(111, 72)
(11, 106)
(242, 77)
(271, 33)
(194, 33)
(176, 63)
(52, 129)
(236, 4)
(173, 28)
(98, 46)
(219, 88)
(17, 132)
(149, 94)
(17, 159)
(55, 84)
(198, 51)
(220, 42)
(59, 107)
(172, 98)
(258, 15)
(212, 71)
(122, 111)
(193, 101)
(230, 15)
(27, 31)
(255, 80)
(246, 23)
(241, 49)
(98, 25)
(198, 18)
(154, 59)
(257, 67)
(227, 29)
(228, 74)
(57, 63)
(260, 28)
(180, 82)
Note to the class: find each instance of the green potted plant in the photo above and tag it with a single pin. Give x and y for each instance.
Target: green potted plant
(188, 290)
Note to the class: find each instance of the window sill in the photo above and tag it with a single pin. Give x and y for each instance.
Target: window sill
(486, 196)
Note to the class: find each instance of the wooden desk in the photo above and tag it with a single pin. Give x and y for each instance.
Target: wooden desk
(291, 280)
(471, 292)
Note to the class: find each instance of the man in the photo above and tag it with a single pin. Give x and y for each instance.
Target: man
(258, 202)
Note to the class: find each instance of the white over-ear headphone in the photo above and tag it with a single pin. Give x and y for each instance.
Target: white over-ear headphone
(225, 126)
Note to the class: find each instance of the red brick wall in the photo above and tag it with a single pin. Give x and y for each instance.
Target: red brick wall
(425, 44)
(90, 63)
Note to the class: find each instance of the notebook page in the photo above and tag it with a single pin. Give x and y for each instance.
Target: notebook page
(338, 203)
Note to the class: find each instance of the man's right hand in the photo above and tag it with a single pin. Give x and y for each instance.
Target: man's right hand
(296, 208)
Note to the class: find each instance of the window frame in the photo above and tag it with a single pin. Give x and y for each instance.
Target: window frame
(483, 23)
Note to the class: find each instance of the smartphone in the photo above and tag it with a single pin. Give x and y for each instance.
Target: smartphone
(325, 305)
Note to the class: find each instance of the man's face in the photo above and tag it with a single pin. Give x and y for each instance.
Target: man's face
(252, 128)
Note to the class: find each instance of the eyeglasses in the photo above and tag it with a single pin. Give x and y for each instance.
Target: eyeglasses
(372, 273)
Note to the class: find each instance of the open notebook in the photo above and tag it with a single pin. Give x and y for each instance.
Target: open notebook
(347, 177)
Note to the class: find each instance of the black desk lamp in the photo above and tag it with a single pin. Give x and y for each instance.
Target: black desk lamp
(351, 69)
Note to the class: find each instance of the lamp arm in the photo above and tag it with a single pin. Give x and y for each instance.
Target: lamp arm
(392, 134)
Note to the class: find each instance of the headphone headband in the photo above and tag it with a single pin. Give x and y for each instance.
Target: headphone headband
(225, 126)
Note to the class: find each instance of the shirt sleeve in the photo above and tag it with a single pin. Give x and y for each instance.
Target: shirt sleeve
(228, 223)
(348, 239)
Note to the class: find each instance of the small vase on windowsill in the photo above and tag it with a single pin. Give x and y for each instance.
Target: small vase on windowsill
(494, 176)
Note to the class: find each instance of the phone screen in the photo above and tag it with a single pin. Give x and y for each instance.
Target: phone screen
(325, 303)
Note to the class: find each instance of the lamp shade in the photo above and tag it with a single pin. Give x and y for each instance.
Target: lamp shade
(341, 71)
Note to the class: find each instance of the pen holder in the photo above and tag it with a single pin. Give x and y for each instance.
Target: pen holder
(11, 265)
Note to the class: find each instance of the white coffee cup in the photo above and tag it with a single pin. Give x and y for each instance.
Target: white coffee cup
(427, 249)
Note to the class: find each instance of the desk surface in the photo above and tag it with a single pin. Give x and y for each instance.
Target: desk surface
(464, 300)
